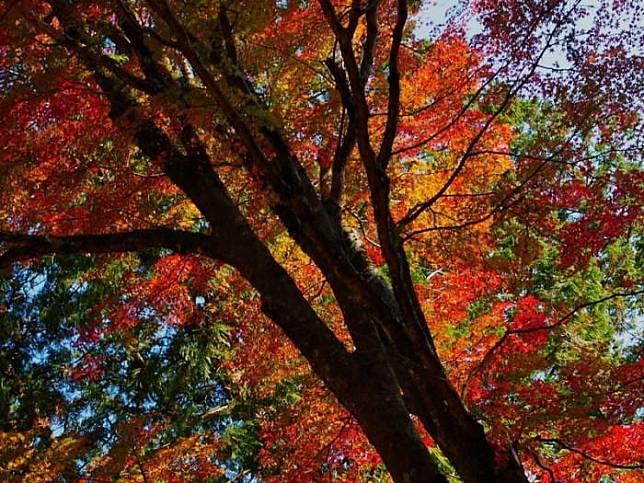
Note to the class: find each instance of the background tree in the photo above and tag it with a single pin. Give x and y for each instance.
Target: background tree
(444, 234)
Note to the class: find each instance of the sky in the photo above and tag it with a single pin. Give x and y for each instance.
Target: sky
(434, 13)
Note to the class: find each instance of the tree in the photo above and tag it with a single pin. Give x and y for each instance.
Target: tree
(446, 229)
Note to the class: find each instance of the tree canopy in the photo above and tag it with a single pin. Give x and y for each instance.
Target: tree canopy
(297, 240)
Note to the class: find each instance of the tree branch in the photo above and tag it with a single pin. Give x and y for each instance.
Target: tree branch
(393, 102)
(488, 355)
(23, 246)
(512, 92)
(545, 468)
(585, 455)
(69, 37)
(371, 17)
(346, 143)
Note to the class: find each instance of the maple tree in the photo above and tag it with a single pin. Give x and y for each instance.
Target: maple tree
(300, 240)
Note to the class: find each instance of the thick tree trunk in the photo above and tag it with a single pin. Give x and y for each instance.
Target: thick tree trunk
(386, 422)
(364, 382)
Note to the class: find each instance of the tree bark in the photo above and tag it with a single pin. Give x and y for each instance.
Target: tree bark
(395, 369)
